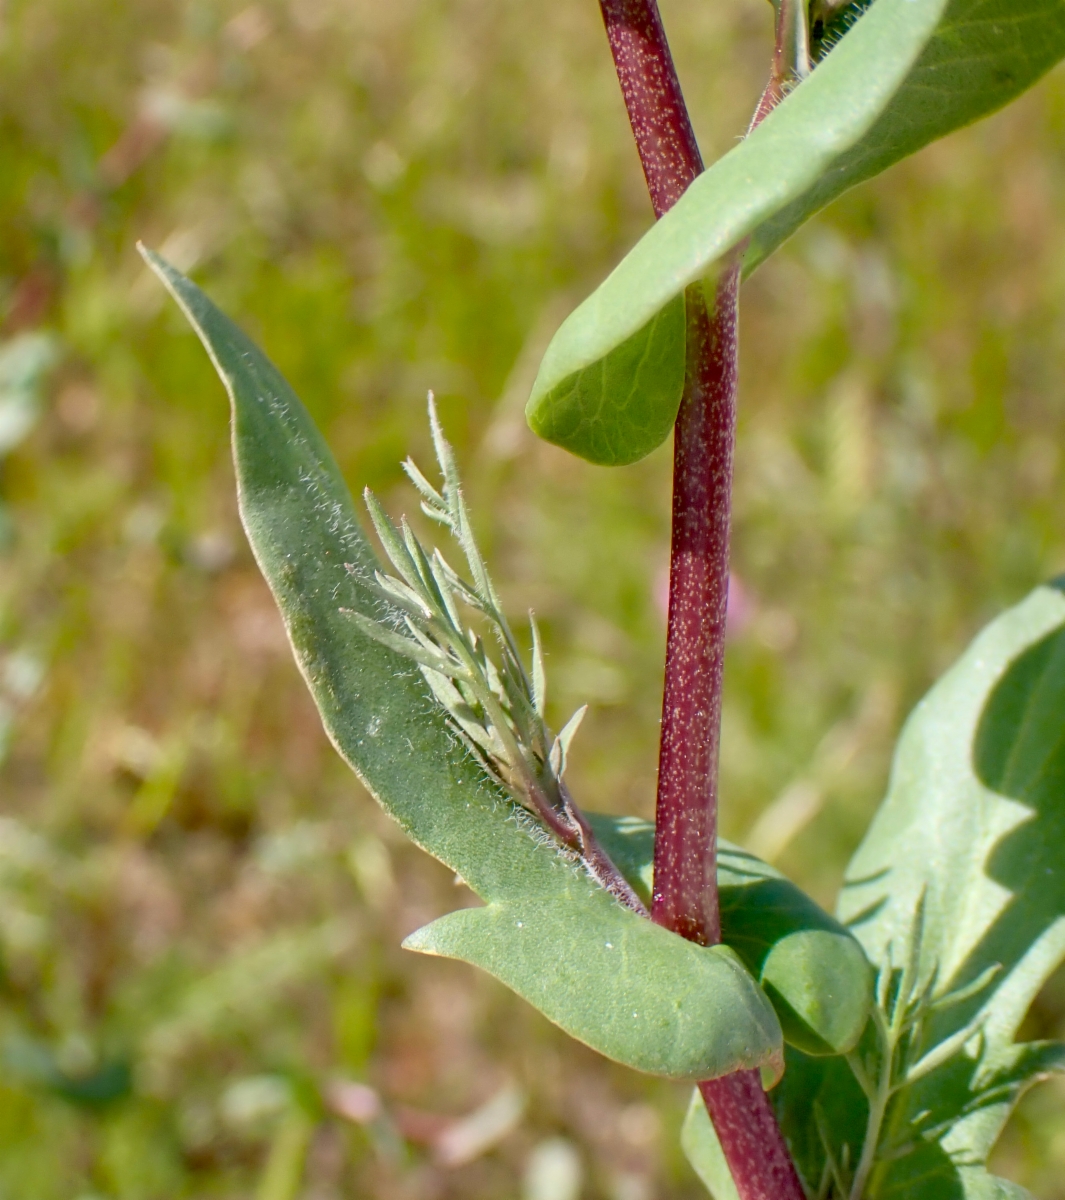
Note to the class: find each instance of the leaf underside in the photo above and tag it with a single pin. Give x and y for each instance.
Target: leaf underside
(631, 990)
(957, 891)
(906, 73)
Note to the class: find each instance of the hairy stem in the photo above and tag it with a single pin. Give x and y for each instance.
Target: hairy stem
(685, 879)
(669, 153)
(791, 55)
(750, 1138)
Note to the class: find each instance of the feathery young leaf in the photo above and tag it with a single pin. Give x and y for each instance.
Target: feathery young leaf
(539, 675)
(421, 654)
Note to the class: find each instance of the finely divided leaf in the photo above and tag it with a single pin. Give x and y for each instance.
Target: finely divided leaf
(973, 826)
(906, 73)
(634, 992)
(957, 894)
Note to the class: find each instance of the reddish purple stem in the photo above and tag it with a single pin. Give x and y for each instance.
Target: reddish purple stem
(685, 878)
(750, 1138)
(685, 875)
(669, 153)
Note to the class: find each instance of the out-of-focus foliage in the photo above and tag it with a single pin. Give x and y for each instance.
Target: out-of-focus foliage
(202, 992)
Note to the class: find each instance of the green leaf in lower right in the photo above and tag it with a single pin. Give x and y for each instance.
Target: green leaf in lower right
(957, 895)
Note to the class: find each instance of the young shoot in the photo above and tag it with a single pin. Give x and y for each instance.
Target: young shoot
(494, 703)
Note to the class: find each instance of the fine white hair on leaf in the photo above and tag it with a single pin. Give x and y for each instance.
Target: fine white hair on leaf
(528, 824)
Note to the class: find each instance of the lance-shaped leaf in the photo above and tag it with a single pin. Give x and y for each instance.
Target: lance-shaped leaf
(810, 966)
(957, 894)
(626, 987)
(906, 73)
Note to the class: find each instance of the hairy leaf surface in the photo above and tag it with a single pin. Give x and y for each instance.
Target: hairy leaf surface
(626, 987)
(906, 73)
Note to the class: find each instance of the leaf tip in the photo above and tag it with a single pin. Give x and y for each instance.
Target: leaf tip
(157, 263)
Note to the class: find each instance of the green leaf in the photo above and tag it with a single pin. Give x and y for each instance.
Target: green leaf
(631, 990)
(978, 785)
(811, 967)
(957, 894)
(613, 407)
(906, 73)
(27, 1060)
(984, 54)
(661, 1007)
(702, 1149)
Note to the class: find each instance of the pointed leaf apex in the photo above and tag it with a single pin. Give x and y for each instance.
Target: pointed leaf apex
(560, 749)
(539, 673)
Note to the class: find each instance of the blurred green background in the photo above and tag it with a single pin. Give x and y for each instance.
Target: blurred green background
(201, 991)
